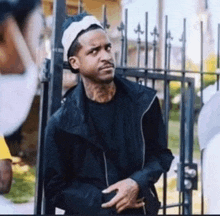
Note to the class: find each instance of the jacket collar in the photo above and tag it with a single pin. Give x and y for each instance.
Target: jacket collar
(139, 94)
(74, 117)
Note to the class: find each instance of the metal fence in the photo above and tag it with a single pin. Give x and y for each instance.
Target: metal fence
(187, 170)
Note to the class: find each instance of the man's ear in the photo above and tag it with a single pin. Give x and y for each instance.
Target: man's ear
(74, 62)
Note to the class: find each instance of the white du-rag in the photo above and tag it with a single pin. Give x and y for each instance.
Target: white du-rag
(74, 29)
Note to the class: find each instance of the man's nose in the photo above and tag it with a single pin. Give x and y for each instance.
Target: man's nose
(106, 55)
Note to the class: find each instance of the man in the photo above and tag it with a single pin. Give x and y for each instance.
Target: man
(21, 30)
(106, 146)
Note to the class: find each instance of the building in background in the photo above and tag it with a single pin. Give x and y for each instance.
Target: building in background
(93, 7)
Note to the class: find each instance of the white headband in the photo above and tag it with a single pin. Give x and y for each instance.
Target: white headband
(74, 29)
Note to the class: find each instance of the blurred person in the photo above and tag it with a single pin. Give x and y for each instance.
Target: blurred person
(5, 177)
(5, 167)
(21, 27)
(21, 33)
(106, 146)
(209, 140)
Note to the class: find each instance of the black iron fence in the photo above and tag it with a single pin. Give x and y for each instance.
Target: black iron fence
(187, 170)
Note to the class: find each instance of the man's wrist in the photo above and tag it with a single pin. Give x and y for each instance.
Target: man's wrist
(135, 185)
(140, 188)
(133, 182)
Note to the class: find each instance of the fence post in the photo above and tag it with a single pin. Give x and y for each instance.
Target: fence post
(121, 29)
(156, 35)
(40, 145)
(201, 62)
(166, 111)
(181, 171)
(55, 88)
(126, 39)
(191, 173)
(105, 23)
(56, 69)
(138, 32)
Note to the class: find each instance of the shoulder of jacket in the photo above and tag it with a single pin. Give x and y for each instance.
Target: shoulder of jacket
(54, 119)
(68, 94)
(136, 86)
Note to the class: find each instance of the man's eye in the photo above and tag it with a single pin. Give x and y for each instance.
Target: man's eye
(94, 51)
(109, 48)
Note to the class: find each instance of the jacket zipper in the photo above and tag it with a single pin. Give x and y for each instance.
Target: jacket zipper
(106, 170)
(105, 161)
(106, 178)
(142, 131)
(144, 208)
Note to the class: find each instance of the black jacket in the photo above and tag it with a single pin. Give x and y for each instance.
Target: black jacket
(77, 166)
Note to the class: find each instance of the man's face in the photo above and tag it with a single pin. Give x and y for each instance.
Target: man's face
(95, 59)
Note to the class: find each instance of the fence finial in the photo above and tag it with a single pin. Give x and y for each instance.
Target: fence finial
(138, 30)
(105, 23)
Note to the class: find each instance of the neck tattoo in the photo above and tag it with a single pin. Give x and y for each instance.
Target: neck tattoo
(101, 93)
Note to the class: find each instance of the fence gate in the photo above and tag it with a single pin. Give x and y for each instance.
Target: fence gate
(187, 174)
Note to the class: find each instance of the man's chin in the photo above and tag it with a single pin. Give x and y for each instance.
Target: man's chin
(108, 79)
(102, 78)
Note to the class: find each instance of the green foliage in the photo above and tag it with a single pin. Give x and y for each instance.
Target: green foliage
(210, 66)
(174, 88)
(23, 186)
(174, 113)
(190, 65)
(174, 138)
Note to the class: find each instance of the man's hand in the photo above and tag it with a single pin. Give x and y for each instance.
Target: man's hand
(127, 192)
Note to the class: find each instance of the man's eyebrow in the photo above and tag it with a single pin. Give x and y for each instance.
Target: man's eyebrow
(94, 47)
(109, 44)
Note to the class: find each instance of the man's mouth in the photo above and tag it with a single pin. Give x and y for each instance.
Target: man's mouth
(107, 66)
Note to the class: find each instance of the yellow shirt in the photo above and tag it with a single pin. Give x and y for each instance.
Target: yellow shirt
(4, 151)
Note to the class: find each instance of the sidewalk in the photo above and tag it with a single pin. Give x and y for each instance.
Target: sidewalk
(7, 207)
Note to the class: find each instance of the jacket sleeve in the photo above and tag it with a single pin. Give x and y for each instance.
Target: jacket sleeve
(74, 196)
(158, 157)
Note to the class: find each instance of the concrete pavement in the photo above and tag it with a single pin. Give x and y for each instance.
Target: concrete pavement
(8, 207)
